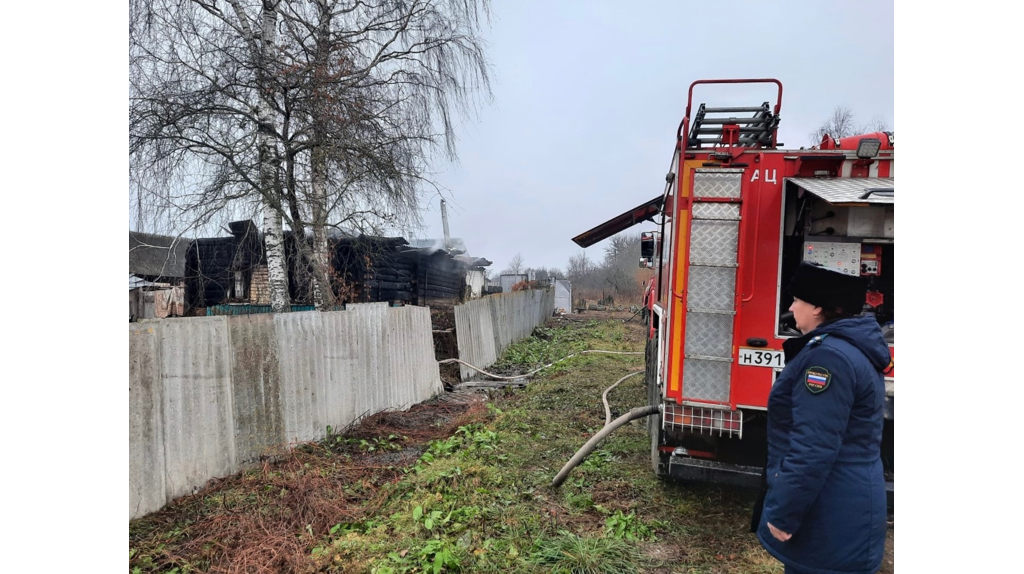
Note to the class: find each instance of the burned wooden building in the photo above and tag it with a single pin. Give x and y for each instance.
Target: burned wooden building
(389, 269)
(156, 258)
(222, 270)
(156, 270)
(232, 271)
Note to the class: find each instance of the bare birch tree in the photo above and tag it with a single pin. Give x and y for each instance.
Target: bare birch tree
(202, 127)
(269, 159)
(384, 81)
(322, 113)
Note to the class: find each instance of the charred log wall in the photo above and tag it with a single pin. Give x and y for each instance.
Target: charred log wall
(439, 277)
(364, 269)
(210, 267)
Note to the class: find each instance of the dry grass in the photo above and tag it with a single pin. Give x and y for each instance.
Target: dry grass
(269, 519)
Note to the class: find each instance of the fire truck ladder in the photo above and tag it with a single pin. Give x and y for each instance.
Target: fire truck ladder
(730, 131)
(711, 286)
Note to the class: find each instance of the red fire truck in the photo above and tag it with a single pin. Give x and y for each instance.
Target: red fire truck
(736, 217)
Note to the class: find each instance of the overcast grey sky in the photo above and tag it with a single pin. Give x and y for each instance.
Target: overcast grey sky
(588, 96)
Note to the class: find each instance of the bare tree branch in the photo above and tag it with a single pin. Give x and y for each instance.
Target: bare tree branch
(838, 125)
(324, 114)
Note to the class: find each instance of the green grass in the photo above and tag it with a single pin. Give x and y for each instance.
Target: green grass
(509, 517)
(545, 346)
(569, 553)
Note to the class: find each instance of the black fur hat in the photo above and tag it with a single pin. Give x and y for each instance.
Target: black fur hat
(828, 289)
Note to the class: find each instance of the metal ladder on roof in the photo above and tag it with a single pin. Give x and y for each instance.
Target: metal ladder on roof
(756, 131)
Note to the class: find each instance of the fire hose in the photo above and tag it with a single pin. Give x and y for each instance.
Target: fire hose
(535, 371)
(609, 426)
(604, 397)
(637, 413)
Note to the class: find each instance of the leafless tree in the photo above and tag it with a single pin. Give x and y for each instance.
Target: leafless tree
(201, 135)
(620, 264)
(842, 124)
(579, 266)
(550, 273)
(515, 265)
(321, 113)
(877, 124)
(615, 275)
(544, 273)
(838, 125)
(622, 245)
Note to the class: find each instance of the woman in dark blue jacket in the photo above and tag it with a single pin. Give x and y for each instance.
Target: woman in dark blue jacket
(824, 509)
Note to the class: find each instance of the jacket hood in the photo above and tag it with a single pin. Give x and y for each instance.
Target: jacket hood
(862, 332)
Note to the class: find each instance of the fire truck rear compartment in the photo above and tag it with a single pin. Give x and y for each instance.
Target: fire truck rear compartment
(850, 231)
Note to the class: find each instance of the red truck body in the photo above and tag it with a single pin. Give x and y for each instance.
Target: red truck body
(736, 217)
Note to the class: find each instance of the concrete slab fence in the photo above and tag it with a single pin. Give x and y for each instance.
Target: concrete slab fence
(209, 395)
(485, 327)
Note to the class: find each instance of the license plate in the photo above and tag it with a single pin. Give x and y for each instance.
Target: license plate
(761, 358)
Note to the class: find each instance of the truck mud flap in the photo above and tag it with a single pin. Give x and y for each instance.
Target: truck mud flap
(700, 470)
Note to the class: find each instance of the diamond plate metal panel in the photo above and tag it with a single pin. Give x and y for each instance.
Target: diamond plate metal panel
(713, 242)
(717, 184)
(711, 288)
(709, 334)
(738, 170)
(846, 190)
(706, 380)
(730, 211)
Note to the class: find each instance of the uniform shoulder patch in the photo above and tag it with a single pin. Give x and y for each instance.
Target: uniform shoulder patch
(817, 379)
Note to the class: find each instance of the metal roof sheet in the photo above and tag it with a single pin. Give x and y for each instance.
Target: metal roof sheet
(156, 255)
(848, 190)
